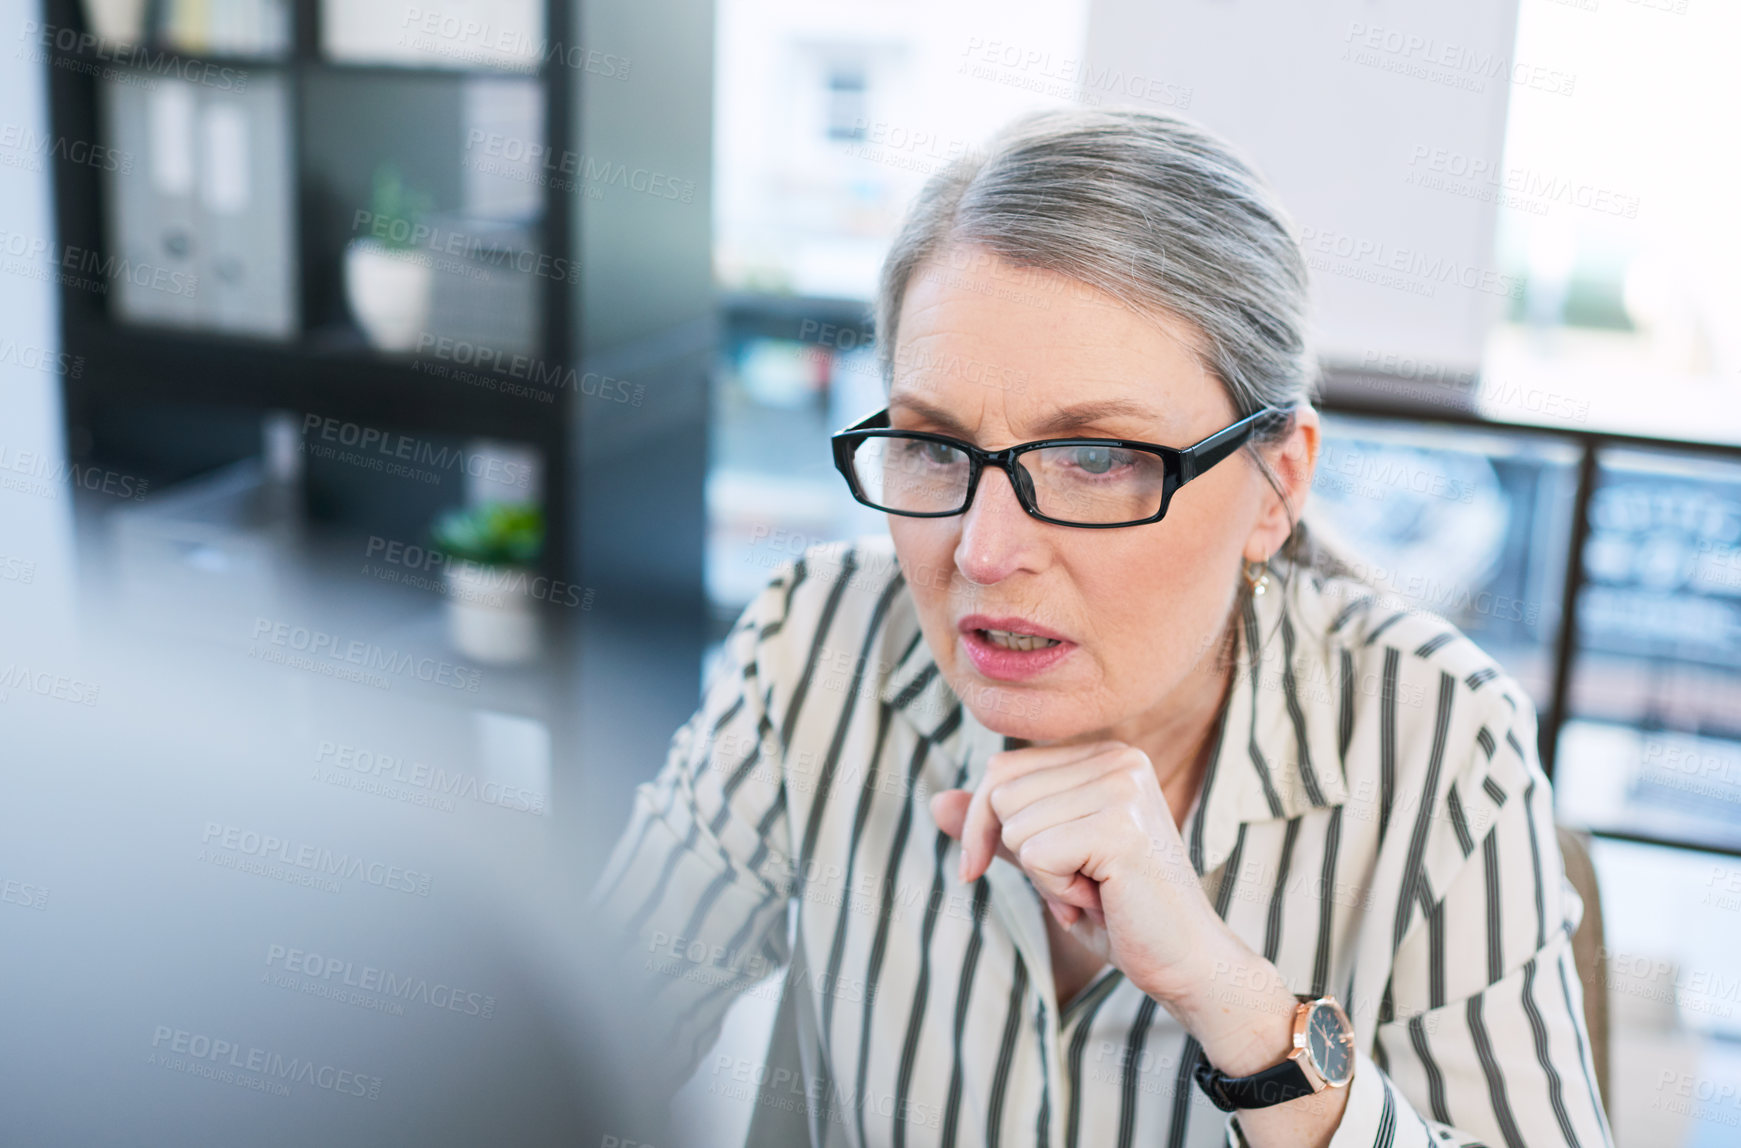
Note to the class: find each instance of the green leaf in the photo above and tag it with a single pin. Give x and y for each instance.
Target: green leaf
(395, 203)
(492, 534)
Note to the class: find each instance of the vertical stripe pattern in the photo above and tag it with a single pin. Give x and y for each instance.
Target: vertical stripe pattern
(1372, 820)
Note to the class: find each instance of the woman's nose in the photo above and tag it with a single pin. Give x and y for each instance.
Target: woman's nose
(995, 530)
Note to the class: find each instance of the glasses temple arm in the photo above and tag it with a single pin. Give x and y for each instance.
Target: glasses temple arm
(1194, 460)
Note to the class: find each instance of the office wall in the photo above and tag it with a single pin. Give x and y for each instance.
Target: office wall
(642, 123)
(35, 511)
(1347, 106)
(643, 315)
(646, 117)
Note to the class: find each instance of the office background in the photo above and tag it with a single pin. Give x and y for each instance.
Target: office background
(397, 403)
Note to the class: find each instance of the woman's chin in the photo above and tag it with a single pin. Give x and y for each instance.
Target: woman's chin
(1028, 716)
(1032, 713)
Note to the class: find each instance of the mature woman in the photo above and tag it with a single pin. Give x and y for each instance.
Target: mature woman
(1108, 801)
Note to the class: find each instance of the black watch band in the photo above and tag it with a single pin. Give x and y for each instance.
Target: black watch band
(1274, 1085)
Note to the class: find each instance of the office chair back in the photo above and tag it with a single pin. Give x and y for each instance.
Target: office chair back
(1589, 952)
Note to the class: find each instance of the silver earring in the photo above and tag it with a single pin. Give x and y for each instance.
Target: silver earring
(1257, 577)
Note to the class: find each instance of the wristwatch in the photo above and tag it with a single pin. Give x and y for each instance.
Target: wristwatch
(1323, 1057)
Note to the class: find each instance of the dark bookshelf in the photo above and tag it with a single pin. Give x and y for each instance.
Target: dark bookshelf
(623, 483)
(327, 367)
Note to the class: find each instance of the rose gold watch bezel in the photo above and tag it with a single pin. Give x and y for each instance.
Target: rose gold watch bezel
(1302, 1056)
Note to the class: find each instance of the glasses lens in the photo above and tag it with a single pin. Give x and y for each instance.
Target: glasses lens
(910, 474)
(1096, 485)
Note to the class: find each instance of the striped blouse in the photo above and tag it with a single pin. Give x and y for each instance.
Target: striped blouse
(1373, 820)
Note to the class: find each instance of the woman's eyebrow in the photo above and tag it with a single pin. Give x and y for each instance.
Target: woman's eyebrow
(1094, 411)
(1062, 419)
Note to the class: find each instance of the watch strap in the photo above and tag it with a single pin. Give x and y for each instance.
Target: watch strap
(1274, 1085)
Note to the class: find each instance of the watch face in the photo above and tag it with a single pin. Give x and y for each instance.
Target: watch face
(1330, 1044)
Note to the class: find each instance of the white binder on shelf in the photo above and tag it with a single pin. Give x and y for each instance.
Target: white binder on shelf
(153, 226)
(116, 21)
(501, 34)
(227, 27)
(201, 226)
(246, 206)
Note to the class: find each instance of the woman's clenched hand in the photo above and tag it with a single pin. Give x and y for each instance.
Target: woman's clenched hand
(1091, 828)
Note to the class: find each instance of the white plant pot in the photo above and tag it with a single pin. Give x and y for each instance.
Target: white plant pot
(389, 292)
(491, 615)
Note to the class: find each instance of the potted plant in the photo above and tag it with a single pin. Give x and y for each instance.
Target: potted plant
(387, 279)
(490, 550)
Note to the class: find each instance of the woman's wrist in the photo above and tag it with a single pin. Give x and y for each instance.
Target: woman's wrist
(1242, 1013)
(1239, 1008)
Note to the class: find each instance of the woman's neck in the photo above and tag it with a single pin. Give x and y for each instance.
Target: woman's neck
(1182, 770)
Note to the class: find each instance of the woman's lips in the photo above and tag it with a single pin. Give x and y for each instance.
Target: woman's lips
(1007, 622)
(1004, 665)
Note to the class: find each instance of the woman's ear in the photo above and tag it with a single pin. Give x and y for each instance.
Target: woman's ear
(1293, 458)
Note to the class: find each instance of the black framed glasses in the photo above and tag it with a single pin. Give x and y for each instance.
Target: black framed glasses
(1088, 482)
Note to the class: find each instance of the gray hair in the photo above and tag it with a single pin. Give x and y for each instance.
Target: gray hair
(1159, 213)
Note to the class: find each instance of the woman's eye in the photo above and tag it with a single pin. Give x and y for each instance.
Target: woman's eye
(926, 453)
(1098, 459)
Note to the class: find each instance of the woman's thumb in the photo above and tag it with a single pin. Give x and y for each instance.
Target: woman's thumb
(949, 810)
